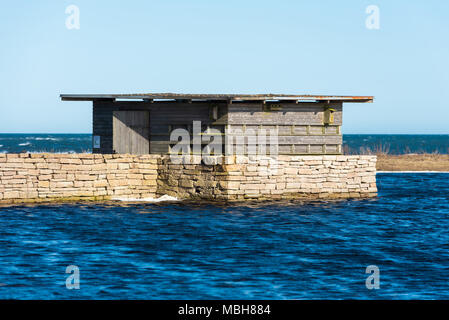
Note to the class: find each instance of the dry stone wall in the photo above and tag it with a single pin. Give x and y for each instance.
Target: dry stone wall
(46, 177)
(264, 178)
(63, 177)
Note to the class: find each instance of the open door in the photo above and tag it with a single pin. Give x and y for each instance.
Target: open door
(131, 132)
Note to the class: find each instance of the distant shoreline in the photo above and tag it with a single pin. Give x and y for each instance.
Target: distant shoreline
(413, 163)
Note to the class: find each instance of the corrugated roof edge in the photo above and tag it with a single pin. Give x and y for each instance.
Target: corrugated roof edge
(214, 97)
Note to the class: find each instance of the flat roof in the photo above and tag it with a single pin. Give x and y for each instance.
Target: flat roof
(214, 97)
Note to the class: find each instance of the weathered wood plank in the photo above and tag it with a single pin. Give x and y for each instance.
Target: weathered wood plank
(131, 132)
(289, 114)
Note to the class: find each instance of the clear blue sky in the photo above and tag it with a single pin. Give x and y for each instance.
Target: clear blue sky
(205, 46)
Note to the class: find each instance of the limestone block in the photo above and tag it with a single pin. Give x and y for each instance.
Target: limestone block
(61, 184)
(250, 174)
(250, 186)
(251, 168)
(147, 166)
(308, 185)
(123, 166)
(287, 158)
(116, 183)
(111, 166)
(78, 184)
(135, 176)
(69, 167)
(311, 158)
(70, 161)
(100, 183)
(368, 179)
(293, 185)
(85, 177)
(53, 166)
(24, 174)
(233, 185)
(17, 160)
(11, 195)
(135, 182)
(14, 165)
(96, 167)
(270, 186)
(341, 158)
(291, 170)
(233, 167)
(43, 184)
(186, 183)
(149, 182)
(252, 193)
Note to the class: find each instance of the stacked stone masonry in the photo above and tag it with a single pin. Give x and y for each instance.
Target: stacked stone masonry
(265, 178)
(46, 177)
(65, 177)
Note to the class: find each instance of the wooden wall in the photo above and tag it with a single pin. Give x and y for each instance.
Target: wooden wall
(300, 126)
(164, 117)
(102, 126)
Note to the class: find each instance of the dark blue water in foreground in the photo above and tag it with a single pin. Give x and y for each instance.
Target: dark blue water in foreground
(353, 143)
(308, 250)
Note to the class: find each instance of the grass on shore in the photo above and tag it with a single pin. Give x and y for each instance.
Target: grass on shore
(420, 161)
(413, 162)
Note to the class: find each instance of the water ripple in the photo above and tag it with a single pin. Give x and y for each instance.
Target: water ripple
(302, 250)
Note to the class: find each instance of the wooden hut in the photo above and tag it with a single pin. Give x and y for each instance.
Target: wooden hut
(143, 123)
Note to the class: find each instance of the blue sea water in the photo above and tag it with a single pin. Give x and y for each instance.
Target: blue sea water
(353, 143)
(395, 143)
(60, 143)
(295, 250)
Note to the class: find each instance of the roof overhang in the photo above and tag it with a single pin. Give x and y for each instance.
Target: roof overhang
(216, 97)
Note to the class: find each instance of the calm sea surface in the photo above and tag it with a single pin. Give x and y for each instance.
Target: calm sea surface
(309, 250)
(353, 143)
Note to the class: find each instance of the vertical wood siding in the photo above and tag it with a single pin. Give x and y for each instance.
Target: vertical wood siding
(300, 127)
